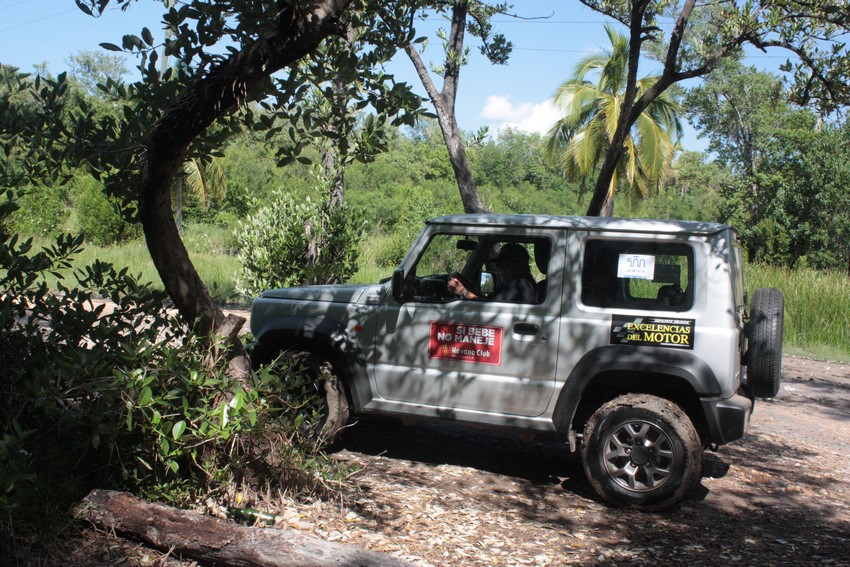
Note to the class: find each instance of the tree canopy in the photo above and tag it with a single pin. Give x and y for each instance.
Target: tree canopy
(229, 54)
(812, 31)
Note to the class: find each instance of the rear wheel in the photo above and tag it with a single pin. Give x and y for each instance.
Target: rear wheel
(641, 451)
(764, 357)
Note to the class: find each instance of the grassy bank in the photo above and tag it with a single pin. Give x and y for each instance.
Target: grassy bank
(817, 309)
(208, 247)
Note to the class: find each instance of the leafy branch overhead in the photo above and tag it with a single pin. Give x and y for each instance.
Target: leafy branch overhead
(814, 32)
(226, 78)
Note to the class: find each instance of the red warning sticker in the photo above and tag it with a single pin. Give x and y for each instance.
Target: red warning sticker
(468, 343)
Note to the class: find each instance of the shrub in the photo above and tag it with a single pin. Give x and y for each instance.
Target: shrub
(419, 206)
(289, 243)
(101, 221)
(230, 223)
(42, 210)
(125, 398)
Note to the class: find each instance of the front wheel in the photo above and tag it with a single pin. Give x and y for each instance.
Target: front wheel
(314, 389)
(642, 452)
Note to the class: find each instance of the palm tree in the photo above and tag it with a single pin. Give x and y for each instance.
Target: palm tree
(579, 140)
(201, 176)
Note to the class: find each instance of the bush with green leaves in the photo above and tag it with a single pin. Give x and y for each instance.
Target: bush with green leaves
(100, 218)
(57, 348)
(419, 206)
(41, 213)
(122, 395)
(293, 242)
(182, 427)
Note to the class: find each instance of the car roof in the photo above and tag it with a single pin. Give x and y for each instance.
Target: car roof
(583, 223)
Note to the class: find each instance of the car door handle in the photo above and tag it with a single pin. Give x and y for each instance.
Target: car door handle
(526, 329)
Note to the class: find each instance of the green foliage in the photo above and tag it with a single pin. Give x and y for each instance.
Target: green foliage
(693, 191)
(815, 201)
(817, 306)
(124, 396)
(100, 217)
(55, 348)
(418, 206)
(737, 109)
(41, 213)
(183, 427)
(290, 242)
(31, 122)
(579, 141)
(786, 177)
(88, 69)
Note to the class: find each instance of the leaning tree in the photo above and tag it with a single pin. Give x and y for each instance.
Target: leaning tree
(474, 17)
(231, 54)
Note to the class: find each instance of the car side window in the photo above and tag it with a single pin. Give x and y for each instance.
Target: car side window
(638, 275)
(493, 268)
(445, 254)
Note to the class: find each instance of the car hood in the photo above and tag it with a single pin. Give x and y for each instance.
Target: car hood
(348, 293)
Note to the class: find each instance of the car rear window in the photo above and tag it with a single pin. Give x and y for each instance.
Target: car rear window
(628, 274)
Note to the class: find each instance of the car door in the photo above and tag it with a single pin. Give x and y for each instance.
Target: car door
(437, 350)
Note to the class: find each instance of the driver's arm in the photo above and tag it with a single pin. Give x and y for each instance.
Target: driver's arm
(456, 287)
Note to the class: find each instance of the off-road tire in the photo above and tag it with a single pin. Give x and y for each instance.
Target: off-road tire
(329, 386)
(764, 356)
(642, 452)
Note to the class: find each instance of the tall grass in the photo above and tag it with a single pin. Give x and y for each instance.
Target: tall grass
(209, 250)
(817, 308)
(370, 272)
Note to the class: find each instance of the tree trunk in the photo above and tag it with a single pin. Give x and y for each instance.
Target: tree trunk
(178, 205)
(444, 105)
(460, 164)
(602, 201)
(214, 541)
(219, 92)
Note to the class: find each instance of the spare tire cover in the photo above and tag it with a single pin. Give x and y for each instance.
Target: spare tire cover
(764, 357)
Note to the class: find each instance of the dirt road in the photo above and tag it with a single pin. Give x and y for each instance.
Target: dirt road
(441, 495)
(445, 496)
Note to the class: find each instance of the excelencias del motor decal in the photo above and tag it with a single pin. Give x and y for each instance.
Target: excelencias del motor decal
(652, 331)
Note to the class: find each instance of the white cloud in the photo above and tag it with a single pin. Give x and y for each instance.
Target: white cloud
(500, 112)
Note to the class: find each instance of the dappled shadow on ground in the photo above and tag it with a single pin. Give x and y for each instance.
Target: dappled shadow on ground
(443, 443)
(767, 500)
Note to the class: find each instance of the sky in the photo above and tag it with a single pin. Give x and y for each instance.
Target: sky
(554, 35)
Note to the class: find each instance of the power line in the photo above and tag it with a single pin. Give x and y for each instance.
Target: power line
(547, 50)
(12, 5)
(37, 19)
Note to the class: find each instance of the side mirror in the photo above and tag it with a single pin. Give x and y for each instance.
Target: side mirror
(399, 293)
(487, 284)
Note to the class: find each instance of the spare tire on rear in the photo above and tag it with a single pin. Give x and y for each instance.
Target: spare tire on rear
(764, 355)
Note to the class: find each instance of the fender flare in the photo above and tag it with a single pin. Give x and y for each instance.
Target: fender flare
(616, 358)
(333, 337)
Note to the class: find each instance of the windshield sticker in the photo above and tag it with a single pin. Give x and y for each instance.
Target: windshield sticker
(636, 267)
(467, 343)
(652, 331)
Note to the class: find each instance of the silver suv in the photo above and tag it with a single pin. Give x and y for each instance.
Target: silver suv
(629, 339)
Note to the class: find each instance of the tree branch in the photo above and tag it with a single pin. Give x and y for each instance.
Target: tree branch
(218, 542)
(223, 89)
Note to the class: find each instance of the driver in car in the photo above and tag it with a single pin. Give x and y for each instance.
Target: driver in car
(515, 283)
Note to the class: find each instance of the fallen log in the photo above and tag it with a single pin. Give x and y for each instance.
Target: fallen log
(213, 540)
